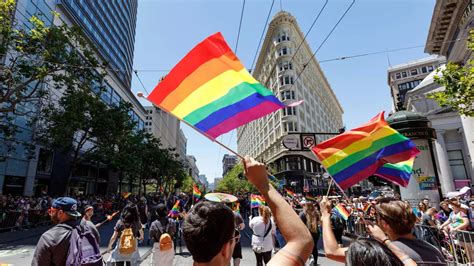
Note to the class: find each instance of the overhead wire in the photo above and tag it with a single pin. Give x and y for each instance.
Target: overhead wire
(323, 42)
(261, 35)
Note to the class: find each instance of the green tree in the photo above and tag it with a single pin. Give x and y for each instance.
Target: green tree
(458, 83)
(234, 181)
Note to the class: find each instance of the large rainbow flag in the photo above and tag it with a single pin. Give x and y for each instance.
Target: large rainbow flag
(211, 90)
(364, 151)
(256, 200)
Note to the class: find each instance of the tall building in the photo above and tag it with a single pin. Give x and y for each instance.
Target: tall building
(454, 144)
(110, 28)
(405, 77)
(203, 180)
(449, 30)
(279, 63)
(163, 126)
(228, 162)
(193, 170)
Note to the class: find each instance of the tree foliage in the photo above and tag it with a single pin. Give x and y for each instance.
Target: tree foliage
(458, 83)
(234, 181)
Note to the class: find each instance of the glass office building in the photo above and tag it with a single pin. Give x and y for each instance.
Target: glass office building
(111, 25)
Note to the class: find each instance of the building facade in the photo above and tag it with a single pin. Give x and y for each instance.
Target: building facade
(193, 170)
(203, 180)
(162, 126)
(405, 77)
(110, 27)
(279, 63)
(228, 162)
(454, 146)
(449, 30)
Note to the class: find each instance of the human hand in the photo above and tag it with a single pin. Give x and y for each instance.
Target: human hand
(325, 206)
(256, 174)
(376, 232)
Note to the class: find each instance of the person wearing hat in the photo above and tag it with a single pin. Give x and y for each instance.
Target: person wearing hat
(86, 220)
(53, 246)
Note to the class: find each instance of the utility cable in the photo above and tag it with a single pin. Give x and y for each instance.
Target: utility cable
(261, 35)
(240, 26)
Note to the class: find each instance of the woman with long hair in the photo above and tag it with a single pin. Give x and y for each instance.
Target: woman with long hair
(262, 240)
(365, 251)
(126, 250)
(311, 217)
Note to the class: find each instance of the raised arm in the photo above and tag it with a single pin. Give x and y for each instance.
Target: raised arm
(299, 241)
(331, 248)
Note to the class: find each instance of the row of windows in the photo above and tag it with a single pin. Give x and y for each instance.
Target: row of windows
(289, 111)
(284, 51)
(287, 95)
(282, 36)
(290, 126)
(285, 65)
(408, 85)
(414, 72)
(286, 80)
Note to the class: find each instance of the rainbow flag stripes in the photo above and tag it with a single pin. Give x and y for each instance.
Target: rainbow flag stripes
(398, 173)
(211, 90)
(363, 151)
(341, 211)
(196, 192)
(174, 212)
(311, 198)
(290, 193)
(256, 200)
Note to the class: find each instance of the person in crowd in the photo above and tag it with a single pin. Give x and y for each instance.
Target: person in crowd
(130, 219)
(444, 212)
(363, 252)
(162, 225)
(210, 233)
(457, 219)
(421, 209)
(471, 215)
(263, 229)
(237, 253)
(426, 201)
(86, 220)
(143, 211)
(366, 251)
(53, 245)
(311, 217)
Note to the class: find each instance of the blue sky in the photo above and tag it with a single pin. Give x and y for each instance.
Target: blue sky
(168, 29)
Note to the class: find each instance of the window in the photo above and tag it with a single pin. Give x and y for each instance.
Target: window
(404, 74)
(285, 66)
(457, 164)
(398, 76)
(414, 72)
(424, 70)
(289, 111)
(430, 68)
(284, 51)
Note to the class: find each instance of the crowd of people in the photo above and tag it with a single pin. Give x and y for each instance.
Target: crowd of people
(284, 231)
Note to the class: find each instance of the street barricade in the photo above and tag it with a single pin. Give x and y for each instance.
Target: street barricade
(12, 220)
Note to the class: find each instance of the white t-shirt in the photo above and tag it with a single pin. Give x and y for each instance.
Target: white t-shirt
(259, 228)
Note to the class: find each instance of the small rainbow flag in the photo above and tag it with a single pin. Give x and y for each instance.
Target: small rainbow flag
(341, 211)
(212, 91)
(366, 207)
(174, 212)
(290, 193)
(308, 197)
(361, 152)
(256, 200)
(237, 208)
(126, 194)
(196, 192)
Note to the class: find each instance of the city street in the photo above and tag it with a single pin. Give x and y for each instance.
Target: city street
(17, 248)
